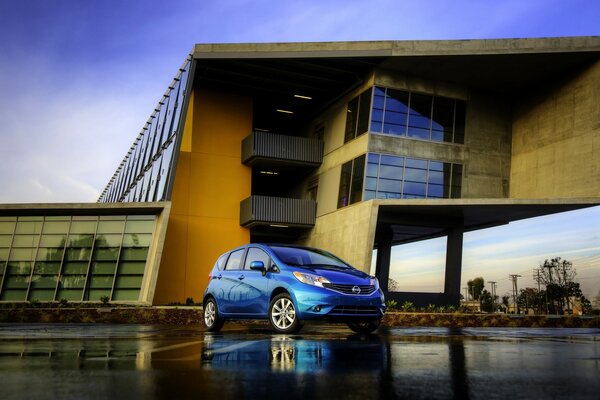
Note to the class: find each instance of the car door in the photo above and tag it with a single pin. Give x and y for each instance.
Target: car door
(230, 293)
(256, 284)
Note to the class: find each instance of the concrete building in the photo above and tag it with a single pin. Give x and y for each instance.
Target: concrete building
(349, 147)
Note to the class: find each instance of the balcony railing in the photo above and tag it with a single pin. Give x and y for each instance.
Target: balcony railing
(270, 147)
(277, 211)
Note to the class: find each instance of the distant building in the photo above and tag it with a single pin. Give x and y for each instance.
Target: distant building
(349, 146)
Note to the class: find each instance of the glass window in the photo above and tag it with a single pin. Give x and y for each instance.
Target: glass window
(417, 115)
(106, 254)
(221, 262)
(256, 254)
(137, 239)
(26, 241)
(106, 240)
(83, 240)
(110, 226)
(132, 268)
(29, 227)
(351, 120)
(104, 267)
(56, 227)
(134, 254)
(356, 187)
(3, 254)
(83, 227)
(50, 254)
(139, 226)
(344, 190)
(126, 295)
(235, 260)
(53, 240)
(22, 254)
(7, 227)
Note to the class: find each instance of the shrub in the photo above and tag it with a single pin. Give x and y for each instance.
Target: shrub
(63, 302)
(189, 301)
(104, 300)
(391, 305)
(408, 306)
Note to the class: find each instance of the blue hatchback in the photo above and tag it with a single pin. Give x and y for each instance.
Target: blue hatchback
(288, 285)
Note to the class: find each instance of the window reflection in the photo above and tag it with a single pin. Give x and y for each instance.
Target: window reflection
(417, 115)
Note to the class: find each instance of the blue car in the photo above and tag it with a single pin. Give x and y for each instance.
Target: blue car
(289, 285)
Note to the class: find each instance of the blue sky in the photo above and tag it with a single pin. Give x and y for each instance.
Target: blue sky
(78, 79)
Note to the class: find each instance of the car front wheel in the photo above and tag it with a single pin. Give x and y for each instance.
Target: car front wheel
(211, 316)
(282, 314)
(364, 327)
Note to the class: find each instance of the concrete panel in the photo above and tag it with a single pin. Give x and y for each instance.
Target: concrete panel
(327, 195)
(402, 146)
(555, 151)
(348, 233)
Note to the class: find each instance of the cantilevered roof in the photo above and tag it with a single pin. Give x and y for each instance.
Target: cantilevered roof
(414, 220)
(328, 70)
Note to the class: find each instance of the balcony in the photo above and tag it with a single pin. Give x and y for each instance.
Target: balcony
(262, 148)
(277, 211)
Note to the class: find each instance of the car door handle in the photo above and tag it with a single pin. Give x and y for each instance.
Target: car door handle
(241, 277)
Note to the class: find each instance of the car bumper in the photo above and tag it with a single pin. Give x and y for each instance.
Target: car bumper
(316, 303)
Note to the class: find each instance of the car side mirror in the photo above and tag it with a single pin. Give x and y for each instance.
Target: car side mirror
(258, 266)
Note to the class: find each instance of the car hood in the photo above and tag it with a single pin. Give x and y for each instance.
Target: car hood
(339, 275)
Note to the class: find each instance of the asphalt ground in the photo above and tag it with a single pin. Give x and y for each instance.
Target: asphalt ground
(248, 361)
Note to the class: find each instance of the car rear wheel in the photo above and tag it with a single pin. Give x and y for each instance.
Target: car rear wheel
(365, 327)
(211, 316)
(282, 314)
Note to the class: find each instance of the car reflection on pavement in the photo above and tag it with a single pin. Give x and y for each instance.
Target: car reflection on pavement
(296, 354)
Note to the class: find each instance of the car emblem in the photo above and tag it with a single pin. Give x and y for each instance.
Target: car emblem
(356, 290)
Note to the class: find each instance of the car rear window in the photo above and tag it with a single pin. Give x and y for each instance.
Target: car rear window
(235, 260)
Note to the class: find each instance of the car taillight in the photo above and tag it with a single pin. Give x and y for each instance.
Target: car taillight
(209, 278)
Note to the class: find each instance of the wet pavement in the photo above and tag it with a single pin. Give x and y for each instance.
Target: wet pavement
(322, 362)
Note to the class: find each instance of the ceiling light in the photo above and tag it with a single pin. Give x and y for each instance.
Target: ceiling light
(299, 96)
(269, 173)
(284, 111)
(279, 226)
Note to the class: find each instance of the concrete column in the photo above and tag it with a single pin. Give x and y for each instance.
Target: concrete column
(384, 257)
(454, 247)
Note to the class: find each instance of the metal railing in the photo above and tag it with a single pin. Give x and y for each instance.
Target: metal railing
(267, 210)
(271, 146)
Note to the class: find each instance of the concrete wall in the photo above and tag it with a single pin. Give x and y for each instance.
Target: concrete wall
(348, 233)
(210, 182)
(486, 166)
(556, 139)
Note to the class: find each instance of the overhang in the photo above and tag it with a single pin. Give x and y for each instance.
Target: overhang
(414, 220)
(326, 71)
(131, 208)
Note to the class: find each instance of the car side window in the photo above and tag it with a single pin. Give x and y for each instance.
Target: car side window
(256, 254)
(221, 262)
(235, 260)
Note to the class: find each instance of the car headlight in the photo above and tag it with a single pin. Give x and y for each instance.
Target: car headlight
(310, 279)
(374, 281)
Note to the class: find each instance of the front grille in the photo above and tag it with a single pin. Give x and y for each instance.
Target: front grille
(351, 289)
(355, 310)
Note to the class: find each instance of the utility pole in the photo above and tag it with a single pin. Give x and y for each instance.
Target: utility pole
(466, 293)
(493, 294)
(514, 282)
(538, 279)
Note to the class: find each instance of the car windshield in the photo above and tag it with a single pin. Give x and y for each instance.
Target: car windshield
(301, 257)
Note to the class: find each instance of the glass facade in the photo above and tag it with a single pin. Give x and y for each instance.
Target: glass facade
(395, 177)
(418, 116)
(408, 114)
(145, 172)
(77, 258)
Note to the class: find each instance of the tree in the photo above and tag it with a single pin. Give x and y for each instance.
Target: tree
(487, 301)
(530, 298)
(476, 287)
(558, 275)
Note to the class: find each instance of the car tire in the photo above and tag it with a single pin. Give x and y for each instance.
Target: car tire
(282, 314)
(211, 316)
(365, 326)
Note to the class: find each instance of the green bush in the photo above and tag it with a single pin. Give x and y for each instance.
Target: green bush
(408, 306)
(391, 305)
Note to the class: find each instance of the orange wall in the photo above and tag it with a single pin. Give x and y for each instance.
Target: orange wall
(210, 182)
